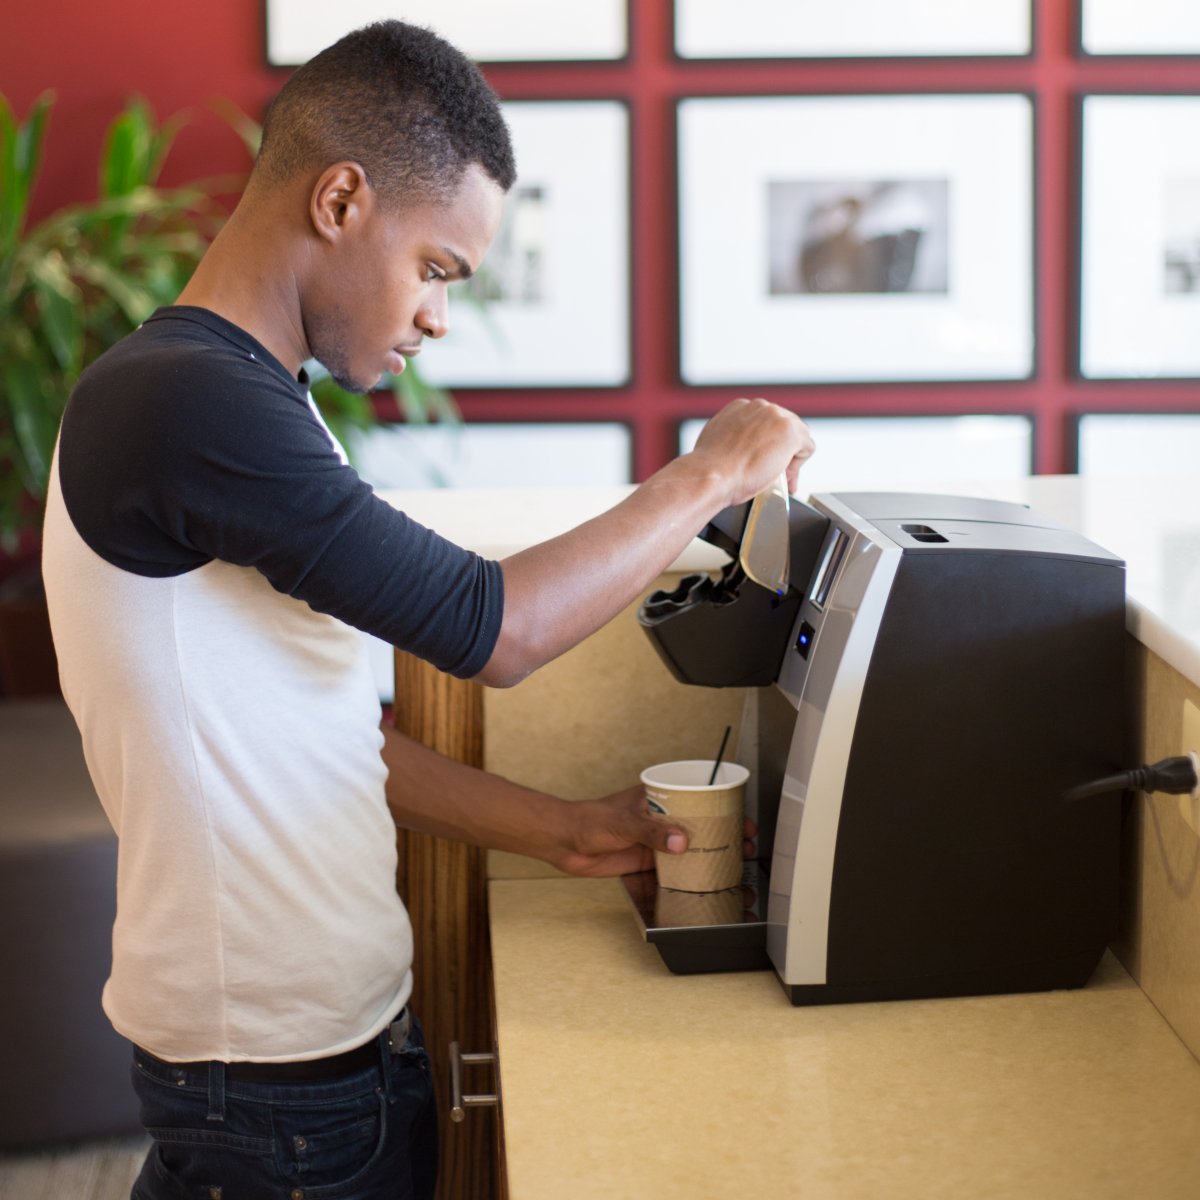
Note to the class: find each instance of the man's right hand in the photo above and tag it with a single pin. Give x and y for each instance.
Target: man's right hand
(751, 443)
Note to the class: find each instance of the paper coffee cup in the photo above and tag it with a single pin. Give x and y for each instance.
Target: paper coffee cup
(674, 909)
(711, 815)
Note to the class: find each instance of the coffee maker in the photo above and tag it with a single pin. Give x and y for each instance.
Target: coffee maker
(938, 672)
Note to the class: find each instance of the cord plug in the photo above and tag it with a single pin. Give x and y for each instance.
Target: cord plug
(1175, 776)
(1178, 776)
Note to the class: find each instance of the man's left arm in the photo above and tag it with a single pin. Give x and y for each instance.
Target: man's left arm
(430, 793)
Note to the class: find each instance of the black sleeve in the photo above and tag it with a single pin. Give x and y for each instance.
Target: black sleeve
(244, 473)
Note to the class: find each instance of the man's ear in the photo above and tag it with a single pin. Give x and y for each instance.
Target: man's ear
(340, 199)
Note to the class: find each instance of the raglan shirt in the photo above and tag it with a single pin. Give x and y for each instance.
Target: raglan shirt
(208, 557)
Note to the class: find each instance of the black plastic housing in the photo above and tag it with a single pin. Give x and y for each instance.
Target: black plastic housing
(728, 631)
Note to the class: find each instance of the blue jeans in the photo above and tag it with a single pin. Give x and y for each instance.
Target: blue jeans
(367, 1136)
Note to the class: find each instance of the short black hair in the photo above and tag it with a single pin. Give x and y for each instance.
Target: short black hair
(412, 110)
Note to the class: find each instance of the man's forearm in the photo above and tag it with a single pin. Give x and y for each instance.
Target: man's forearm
(611, 835)
(559, 592)
(433, 794)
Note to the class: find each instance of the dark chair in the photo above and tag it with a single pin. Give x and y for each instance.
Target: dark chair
(64, 1072)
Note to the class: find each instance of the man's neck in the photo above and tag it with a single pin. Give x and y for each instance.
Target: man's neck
(240, 279)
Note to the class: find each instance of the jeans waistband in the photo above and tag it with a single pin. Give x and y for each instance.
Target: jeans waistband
(336, 1066)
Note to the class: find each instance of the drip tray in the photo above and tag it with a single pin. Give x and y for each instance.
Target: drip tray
(704, 932)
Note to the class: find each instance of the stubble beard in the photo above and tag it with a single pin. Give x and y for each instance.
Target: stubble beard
(327, 340)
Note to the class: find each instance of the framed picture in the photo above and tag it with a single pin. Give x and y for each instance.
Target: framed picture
(496, 454)
(907, 451)
(853, 28)
(856, 238)
(1148, 27)
(532, 31)
(1139, 255)
(552, 295)
(1137, 443)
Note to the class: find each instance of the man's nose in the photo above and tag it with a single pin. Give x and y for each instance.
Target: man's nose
(433, 317)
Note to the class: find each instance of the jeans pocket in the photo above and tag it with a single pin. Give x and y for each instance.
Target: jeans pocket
(190, 1160)
(331, 1146)
(175, 1116)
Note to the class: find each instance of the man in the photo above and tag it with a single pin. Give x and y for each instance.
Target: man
(207, 550)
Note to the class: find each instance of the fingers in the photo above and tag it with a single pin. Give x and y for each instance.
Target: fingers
(654, 831)
(657, 833)
(793, 476)
(793, 467)
(749, 833)
(625, 819)
(757, 441)
(661, 835)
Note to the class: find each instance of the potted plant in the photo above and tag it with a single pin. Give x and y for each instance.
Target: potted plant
(72, 285)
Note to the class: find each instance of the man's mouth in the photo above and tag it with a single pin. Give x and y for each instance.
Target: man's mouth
(398, 356)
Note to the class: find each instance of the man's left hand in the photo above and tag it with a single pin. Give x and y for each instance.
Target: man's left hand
(617, 835)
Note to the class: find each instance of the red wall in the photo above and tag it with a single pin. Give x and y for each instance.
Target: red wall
(96, 52)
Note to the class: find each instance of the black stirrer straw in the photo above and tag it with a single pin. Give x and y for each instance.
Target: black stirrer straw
(717, 761)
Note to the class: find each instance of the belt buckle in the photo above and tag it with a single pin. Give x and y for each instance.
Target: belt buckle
(397, 1033)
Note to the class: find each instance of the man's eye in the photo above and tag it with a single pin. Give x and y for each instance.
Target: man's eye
(433, 271)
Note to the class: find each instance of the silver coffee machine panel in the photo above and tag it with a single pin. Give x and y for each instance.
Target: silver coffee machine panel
(842, 615)
(946, 668)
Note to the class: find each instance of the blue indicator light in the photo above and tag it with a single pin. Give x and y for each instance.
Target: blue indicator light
(804, 638)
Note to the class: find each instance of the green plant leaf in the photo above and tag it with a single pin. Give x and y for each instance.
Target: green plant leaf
(160, 144)
(31, 137)
(60, 303)
(421, 401)
(248, 129)
(134, 301)
(132, 151)
(12, 201)
(20, 161)
(341, 410)
(118, 164)
(35, 419)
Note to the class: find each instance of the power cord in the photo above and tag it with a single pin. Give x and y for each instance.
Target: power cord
(1176, 776)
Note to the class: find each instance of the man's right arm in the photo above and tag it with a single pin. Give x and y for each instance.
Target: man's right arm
(559, 592)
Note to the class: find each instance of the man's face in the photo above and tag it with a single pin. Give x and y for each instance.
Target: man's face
(386, 290)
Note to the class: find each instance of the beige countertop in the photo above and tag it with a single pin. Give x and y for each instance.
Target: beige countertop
(622, 1081)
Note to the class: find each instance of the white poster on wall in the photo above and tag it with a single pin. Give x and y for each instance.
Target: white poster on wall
(532, 31)
(555, 285)
(1140, 238)
(1136, 27)
(852, 28)
(856, 238)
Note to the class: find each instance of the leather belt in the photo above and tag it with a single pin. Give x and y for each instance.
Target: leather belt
(337, 1066)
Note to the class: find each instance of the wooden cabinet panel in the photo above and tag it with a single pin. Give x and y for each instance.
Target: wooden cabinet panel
(444, 888)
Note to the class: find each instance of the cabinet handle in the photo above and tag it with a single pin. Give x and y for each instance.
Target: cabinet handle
(458, 1102)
